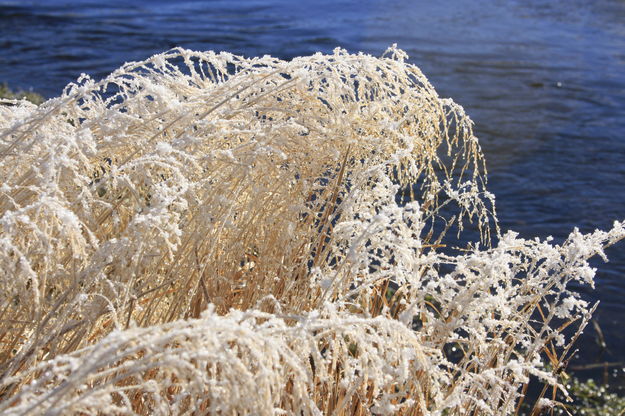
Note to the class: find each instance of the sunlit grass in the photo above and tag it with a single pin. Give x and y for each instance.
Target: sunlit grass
(205, 233)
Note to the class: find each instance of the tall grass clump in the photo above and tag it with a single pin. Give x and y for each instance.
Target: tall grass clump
(203, 233)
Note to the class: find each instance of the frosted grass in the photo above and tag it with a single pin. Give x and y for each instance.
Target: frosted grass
(203, 233)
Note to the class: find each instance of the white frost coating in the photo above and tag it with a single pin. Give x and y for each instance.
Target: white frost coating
(202, 233)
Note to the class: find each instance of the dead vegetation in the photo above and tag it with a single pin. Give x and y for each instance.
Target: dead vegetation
(202, 233)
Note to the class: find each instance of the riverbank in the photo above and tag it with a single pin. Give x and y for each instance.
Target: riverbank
(7, 93)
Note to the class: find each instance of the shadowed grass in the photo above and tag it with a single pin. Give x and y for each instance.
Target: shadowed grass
(7, 94)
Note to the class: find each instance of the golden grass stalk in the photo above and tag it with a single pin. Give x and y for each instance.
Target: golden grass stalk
(203, 233)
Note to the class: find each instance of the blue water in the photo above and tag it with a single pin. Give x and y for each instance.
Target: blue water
(544, 80)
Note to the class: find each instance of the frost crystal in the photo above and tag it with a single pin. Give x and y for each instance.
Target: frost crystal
(202, 233)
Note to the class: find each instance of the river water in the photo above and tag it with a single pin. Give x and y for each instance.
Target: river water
(544, 81)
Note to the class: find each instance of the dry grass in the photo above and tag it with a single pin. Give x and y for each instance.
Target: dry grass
(202, 233)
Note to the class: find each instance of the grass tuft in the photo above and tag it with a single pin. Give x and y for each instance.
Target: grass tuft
(203, 233)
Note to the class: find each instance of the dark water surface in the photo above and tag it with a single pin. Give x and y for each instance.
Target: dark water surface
(544, 80)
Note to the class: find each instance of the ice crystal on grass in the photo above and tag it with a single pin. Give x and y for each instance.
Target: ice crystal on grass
(202, 233)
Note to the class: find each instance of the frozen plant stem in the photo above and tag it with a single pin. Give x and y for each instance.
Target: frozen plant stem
(203, 233)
